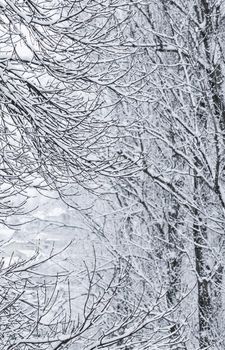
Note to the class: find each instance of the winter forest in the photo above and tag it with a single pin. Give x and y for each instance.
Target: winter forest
(112, 174)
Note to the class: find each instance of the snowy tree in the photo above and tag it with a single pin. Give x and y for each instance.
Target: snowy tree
(57, 67)
(127, 99)
(42, 310)
(169, 203)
